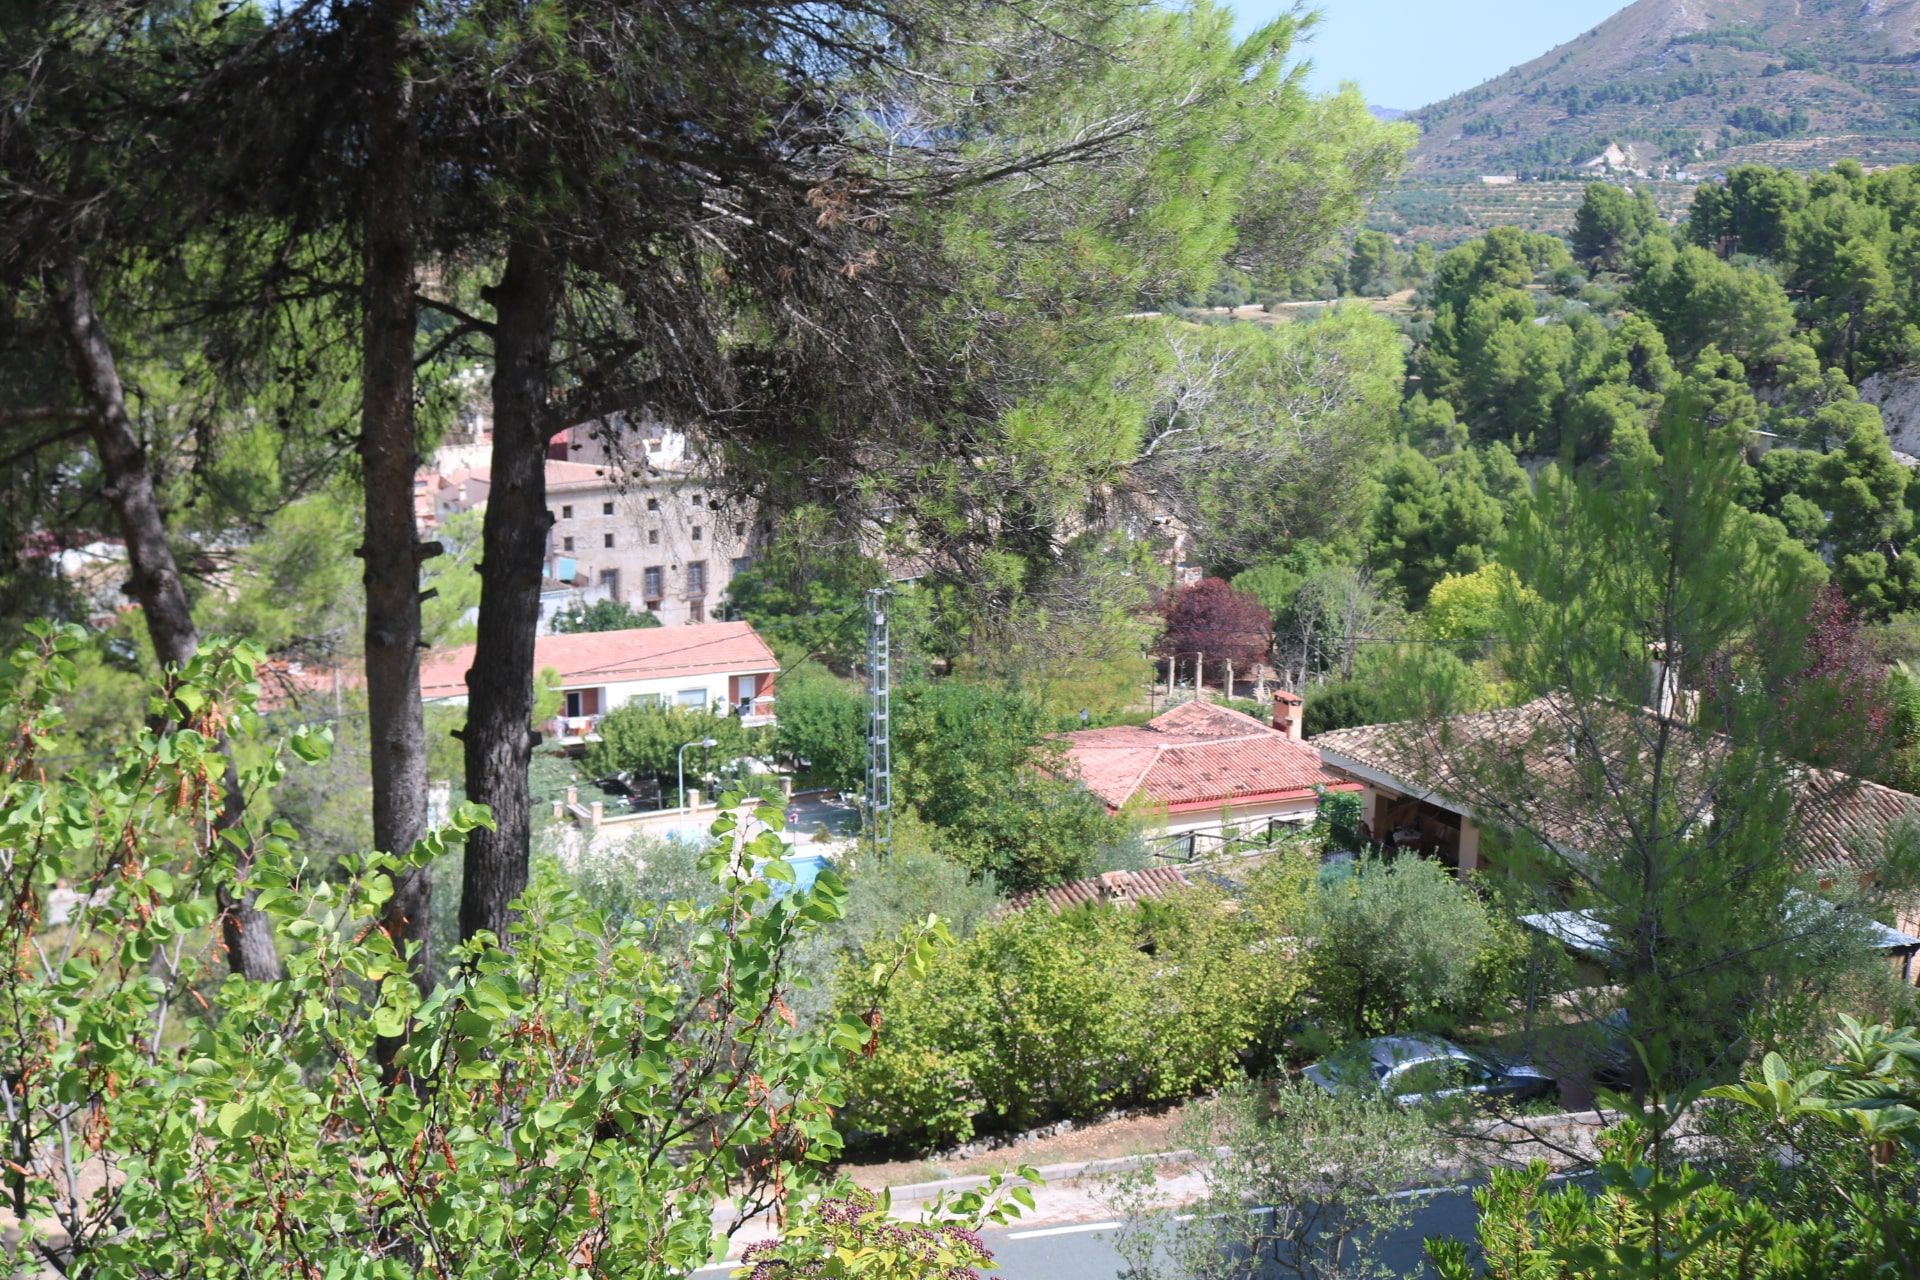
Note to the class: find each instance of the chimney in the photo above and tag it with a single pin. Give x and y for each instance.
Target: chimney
(1288, 714)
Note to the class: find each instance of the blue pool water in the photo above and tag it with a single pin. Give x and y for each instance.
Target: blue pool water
(806, 869)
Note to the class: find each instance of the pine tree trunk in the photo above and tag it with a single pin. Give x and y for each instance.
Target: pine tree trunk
(389, 455)
(499, 733)
(154, 580)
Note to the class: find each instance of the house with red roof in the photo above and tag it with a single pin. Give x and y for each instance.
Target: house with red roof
(1425, 786)
(1206, 768)
(717, 666)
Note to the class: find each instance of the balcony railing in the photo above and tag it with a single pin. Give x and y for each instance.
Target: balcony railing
(753, 711)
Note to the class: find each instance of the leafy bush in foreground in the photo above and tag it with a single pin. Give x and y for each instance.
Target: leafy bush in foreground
(1041, 1016)
(569, 1101)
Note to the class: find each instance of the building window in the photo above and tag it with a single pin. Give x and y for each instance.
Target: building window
(606, 508)
(653, 537)
(650, 580)
(741, 564)
(696, 533)
(610, 579)
(576, 704)
(739, 528)
(696, 499)
(691, 697)
(566, 513)
(653, 504)
(566, 544)
(697, 578)
(696, 611)
(607, 540)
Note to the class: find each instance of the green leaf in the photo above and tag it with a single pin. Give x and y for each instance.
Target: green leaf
(467, 815)
(312, 744)
(230, 1116)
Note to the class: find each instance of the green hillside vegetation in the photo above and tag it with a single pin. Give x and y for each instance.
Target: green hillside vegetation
(1793, 82)
(1446, 210)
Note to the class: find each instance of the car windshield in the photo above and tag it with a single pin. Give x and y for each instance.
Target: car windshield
(1435, 1074)
(1353, 1066)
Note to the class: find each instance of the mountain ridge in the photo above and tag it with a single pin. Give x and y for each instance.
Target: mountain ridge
(1684, 84)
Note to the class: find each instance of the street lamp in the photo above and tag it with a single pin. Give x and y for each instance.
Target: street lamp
(703, 742)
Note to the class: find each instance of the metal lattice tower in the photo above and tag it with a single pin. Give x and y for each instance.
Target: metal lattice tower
(879, 813)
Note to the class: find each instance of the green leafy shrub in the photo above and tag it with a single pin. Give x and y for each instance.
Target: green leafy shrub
(822, 721)
(1643, 1222)
(1343, 704)
(1326, 1170)
(1829, 1196)
(855, 1233)
(1401, 945)
(977, 764)
(1338, 817)
(550, 1103)
(886, 895)
(1040, 1016)
(647, 740)
(915, 880)
(601, 615)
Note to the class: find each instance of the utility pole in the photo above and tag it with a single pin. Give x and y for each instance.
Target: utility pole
(879, 816)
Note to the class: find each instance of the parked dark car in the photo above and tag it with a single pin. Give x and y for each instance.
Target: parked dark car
(1417, 1069)
(637, 794)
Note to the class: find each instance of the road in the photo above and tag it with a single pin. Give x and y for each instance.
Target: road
(1084, 1250)
(807, 814)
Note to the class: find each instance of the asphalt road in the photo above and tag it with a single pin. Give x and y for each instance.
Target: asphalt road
(807, 814)
(1084, 1250)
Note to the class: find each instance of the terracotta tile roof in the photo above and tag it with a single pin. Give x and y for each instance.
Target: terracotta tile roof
(604, 657)
(1485, 764)
(1113, 886)
(579, 475)
(1196, 753)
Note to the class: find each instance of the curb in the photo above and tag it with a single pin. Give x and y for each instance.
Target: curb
(1050, 1173)
(1587, 1118)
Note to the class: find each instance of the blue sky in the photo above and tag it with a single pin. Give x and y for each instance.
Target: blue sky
(1407, 53)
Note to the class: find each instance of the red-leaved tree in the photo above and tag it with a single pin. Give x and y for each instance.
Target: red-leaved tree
(1850, 678)
(1211, 619)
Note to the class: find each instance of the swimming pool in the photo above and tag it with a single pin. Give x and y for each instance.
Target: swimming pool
(806, 869)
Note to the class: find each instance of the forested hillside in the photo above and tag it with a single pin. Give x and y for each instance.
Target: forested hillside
(1679, 83)
(1764, 310)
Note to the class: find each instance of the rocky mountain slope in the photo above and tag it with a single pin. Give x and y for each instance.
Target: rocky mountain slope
(1675, 85)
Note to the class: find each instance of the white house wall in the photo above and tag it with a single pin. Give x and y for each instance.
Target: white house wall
(668, 688)
(1242, 816)
(619, 694)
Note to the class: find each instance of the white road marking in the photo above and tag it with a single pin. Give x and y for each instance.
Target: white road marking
(1075, 1229)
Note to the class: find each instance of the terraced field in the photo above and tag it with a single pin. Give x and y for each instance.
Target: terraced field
(1446, 211)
